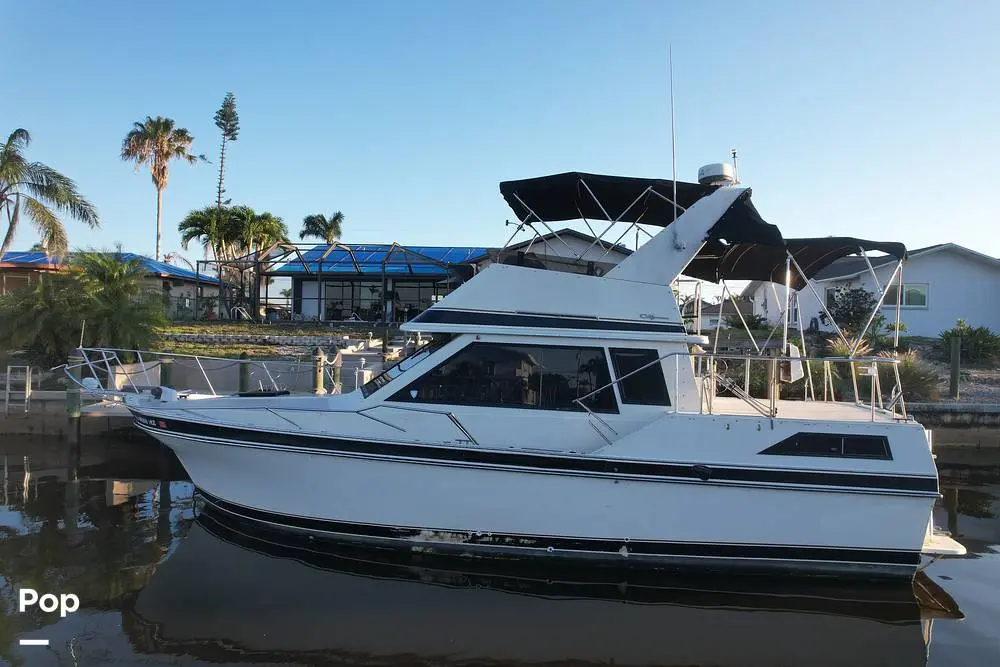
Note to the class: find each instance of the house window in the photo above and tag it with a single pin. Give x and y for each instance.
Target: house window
(831, 296)
(545, 377)
(914, 296)
(647, 387)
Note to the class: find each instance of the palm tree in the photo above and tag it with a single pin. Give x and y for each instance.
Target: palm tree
(206, 225)
(37, 189)
(228, 122)
(154, 142)
(232, 232)
(320, 227)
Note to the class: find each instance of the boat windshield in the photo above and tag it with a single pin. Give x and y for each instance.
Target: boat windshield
(404, 364)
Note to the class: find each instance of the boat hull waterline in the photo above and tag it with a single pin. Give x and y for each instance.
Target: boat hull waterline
(801, 522)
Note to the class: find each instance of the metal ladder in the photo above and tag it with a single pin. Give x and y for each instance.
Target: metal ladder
(19, 374)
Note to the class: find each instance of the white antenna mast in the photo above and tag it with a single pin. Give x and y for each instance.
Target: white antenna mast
(736, 169)
(673, 145)
(673, 135)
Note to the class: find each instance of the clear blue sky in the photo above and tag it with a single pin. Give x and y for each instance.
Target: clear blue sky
(876, 119)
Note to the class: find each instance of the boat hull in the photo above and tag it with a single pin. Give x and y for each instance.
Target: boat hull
(471, 508)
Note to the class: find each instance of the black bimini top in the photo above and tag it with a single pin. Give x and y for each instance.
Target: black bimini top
(740, 246)
(575, 195)
(754, 261)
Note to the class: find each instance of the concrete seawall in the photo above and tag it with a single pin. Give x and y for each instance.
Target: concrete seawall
(48, 417)
(955, 414)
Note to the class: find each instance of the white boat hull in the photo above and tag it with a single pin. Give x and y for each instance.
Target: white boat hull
(472, 508)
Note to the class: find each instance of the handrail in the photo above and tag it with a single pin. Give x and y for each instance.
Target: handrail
(717, 378)
(96, 358)
(109, 355)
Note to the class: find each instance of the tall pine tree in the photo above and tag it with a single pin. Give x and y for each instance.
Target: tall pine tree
(228, 122)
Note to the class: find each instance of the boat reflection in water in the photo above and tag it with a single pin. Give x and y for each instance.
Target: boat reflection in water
(233, 593)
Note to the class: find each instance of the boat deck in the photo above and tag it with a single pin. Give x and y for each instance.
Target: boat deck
(806, 410)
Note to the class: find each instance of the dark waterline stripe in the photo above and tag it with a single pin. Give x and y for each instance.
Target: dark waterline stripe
(473, 317)
(545, 462)
(596, 546)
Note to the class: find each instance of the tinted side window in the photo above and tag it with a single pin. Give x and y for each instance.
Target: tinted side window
(571, 372)
(522, 376)
(648, 386)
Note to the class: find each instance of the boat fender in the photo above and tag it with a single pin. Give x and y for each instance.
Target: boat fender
(703, 472)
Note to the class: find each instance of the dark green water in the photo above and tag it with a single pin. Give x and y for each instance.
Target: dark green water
(161, 582)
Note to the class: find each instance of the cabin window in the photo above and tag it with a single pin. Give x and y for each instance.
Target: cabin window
(833, 444)
(646, 387)
(545, 377)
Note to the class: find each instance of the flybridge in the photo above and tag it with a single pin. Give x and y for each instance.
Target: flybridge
(740, 245)
(710, 231)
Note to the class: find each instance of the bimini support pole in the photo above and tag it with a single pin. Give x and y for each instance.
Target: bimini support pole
(746, 327)
(871, 318)
(820, 301)
(899, 304)
(809, 388)
(788, 301)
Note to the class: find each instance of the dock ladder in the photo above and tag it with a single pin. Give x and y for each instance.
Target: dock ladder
(18, 388)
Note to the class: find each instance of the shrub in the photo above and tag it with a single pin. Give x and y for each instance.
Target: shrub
(979, 344)
(735, 371)
(754, 322)
(917, 378)
(851, 309)
(100, 297)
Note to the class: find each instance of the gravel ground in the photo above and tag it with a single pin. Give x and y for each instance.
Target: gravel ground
(976, 385)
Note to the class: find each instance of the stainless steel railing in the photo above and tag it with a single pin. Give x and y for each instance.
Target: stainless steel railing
(712, 369)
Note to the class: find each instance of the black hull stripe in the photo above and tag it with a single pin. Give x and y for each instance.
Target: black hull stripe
(473, 317)
(893, 483)
(596, 546)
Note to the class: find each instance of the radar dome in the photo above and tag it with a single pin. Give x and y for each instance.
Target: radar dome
(720, 173)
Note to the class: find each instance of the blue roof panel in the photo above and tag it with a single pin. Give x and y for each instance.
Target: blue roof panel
(41, 260)
(368, 259)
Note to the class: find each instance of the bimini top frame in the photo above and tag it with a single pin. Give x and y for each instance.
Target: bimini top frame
(741, 246)
(619, 199)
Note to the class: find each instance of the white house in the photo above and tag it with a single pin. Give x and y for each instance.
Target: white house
(942, 284)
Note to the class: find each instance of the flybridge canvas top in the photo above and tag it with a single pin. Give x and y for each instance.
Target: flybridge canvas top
(740, 246)
(718, 261)
(574, 195)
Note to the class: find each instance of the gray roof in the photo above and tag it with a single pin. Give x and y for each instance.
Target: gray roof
(849, 266)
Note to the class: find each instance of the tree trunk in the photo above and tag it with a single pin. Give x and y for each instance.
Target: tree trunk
(12, 218)
(222, 170)
(159, 222)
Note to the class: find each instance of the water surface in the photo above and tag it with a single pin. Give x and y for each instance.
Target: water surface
(163, 582)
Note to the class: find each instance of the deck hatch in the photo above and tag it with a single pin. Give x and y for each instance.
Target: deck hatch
(836, 445)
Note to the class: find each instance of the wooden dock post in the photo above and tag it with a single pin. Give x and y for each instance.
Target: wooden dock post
(167, 373)
(244, 385)
(956, 364)
(319, 361)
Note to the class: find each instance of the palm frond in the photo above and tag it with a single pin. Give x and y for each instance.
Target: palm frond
(47, 184)
(49, 226)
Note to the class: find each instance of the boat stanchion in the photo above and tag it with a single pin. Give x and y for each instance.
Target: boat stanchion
(319, 361)
(74, 401)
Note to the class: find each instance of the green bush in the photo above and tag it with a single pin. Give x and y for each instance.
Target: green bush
(979, 344)
(100, 297)
(754, 322)
(735, 370)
